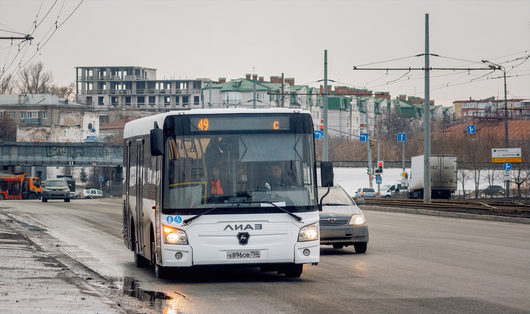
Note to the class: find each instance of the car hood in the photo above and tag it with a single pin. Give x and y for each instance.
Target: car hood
(339, 211)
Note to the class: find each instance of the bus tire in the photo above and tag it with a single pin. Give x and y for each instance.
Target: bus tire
(294, 270)
(160, 271)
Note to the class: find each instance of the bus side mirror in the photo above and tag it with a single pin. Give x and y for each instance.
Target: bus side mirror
(157, 142)
(326, 174)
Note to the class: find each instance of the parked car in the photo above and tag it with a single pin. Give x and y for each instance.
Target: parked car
(365, 192)
(493, 190)
(342, 222)
(91, 193)
(55, 189)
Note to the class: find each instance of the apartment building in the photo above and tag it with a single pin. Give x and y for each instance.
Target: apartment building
(134, 88)
(491, 108)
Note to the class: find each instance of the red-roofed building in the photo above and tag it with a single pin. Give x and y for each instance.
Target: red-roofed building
(491, 108)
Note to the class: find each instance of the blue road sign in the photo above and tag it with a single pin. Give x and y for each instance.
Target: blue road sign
(101, 178)
(318, 135)
(378, 180)
(402, 137)
(507, 166)
(471, 129)
(363, 137)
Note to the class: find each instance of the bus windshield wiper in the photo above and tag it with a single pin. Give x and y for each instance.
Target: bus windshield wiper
(298, 218)
(187, 221)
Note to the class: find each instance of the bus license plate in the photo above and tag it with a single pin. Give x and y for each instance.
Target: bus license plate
(242, 254)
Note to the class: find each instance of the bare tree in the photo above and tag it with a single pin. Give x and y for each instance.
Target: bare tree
(8, 129)
(519, 177)
(463, 176)
(7, 84)
(33, 80)
(65, 92)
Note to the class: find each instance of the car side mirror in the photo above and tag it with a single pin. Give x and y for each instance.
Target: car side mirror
(326, 174)
(157, 142)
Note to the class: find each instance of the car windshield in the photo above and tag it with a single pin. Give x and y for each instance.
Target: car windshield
(368, 190)
(203, 170)
(56, 183)
(336, 196)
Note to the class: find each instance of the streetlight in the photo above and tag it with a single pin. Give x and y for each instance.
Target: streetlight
(495, 66)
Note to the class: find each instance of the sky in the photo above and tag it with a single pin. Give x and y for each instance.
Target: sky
(229, 38)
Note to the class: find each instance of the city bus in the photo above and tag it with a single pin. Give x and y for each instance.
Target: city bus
(198, 190)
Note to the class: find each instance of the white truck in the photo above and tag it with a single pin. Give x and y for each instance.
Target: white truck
(443, 176)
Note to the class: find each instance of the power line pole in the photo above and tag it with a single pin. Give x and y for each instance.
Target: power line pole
(282, 96)
(427, 123)
(254, 95)
(325, 135)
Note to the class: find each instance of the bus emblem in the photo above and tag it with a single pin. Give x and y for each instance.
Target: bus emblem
(243, 227)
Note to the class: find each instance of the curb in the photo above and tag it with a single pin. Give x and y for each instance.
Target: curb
(418, 211)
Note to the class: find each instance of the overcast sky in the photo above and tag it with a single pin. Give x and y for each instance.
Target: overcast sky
(227, 38)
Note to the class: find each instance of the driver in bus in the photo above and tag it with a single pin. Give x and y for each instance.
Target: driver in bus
(278, 179)
(215, 183)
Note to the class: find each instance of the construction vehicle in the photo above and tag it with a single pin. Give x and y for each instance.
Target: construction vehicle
(19, 186)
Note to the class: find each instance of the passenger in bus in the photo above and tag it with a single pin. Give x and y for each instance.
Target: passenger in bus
(216, 183)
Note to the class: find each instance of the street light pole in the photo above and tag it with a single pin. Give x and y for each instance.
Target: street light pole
(495, 66)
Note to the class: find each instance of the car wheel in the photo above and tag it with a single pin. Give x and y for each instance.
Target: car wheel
(361, 247)
(338, 246)
(44, 200)
(87, 197)
(387, 196)
(294, 270)
(67, 200)
(32, 196)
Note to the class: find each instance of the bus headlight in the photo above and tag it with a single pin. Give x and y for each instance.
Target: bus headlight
(174, 236)
(357, 220)
(308, 233)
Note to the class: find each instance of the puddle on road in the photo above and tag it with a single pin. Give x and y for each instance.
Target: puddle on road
(158, 301)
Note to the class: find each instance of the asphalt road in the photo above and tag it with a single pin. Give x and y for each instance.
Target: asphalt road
(414, 264)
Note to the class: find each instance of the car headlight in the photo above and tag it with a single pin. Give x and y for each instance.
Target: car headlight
(174, 236)
(357, 220)
(308, 233)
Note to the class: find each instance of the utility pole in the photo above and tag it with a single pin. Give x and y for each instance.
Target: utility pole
(426, 114)
(282, 95)
(369, 149)
(325, 135)
(210, 97)
(254, 97)
(427, 123)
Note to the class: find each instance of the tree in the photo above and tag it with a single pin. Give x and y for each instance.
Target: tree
(65, 92)
(519, 177)
(7, 84)
(83, 176)
(8, 129)
(33, 80)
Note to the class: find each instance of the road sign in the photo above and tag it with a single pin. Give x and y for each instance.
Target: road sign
(507, 175)
(101, 178)
(378, 180)
(363, 137)
(402, 137)
(501, 155)
(507, 166)
(318, 135)
(471, 129)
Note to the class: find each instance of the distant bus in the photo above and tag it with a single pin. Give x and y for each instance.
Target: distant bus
(198, 190)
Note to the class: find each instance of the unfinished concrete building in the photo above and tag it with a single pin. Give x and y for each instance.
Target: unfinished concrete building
(134, 88)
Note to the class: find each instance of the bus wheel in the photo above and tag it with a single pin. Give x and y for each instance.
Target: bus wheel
(160, 271)
(294, 270)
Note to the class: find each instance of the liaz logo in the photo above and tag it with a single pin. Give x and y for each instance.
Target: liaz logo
(243, 227)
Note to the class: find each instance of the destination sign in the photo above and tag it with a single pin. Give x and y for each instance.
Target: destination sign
(223, 123)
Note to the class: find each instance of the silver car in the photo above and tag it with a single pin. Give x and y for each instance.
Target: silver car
(342, 222)
(55, 189)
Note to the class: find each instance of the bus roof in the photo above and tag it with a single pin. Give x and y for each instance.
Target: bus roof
(142, 126)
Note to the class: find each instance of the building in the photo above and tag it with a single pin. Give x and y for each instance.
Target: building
(134, 88)
(48, 118)
(491, 108)
(240, 93)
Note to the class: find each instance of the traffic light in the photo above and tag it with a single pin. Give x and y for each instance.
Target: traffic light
(379, 168)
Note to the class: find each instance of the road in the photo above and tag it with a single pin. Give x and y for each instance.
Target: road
(414, 264)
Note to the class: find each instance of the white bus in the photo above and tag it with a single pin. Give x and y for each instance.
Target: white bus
(201, 188)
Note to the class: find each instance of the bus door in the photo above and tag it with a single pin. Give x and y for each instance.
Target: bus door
(126, 207)
(139, 197)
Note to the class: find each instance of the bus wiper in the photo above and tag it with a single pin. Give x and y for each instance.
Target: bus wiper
(187, 221)
(272, 203)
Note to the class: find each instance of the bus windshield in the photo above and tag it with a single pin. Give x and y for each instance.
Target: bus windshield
(220, 170)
